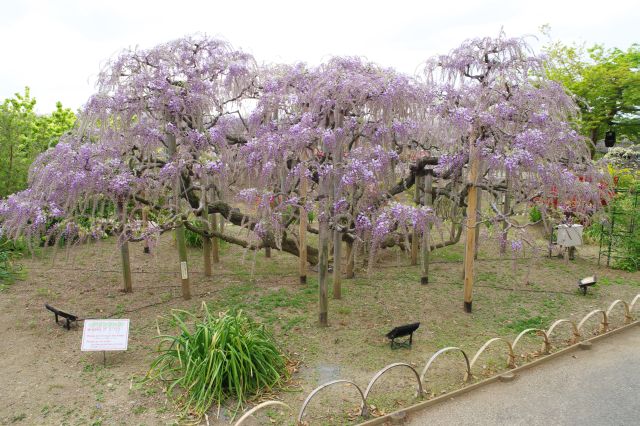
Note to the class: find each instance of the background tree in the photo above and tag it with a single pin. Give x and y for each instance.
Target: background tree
(25, 134)
(606, 84)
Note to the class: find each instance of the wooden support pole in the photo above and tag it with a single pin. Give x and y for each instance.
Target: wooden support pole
(323, 265)
(215, 243)
(124, 252)
(337, 235)
(145, 224)
(179, 231)
(302, 231)
(351, 260)
(337, 254)
(206, 252)
(477, 230)
(206, 241)
(337, 265)
(184, 270)
(414, 235)
(454, 213)
(506, 208)
(425, 246)
(464, 260)
(472, 202)
(126, 267)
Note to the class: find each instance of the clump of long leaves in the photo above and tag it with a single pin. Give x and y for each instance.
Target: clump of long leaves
(225, 356)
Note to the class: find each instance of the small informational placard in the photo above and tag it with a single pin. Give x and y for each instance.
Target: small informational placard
(183, 270)
(569, 235)
(105, 335)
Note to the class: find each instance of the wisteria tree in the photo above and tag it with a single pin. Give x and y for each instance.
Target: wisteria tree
(501, 127)
(334, 139)
(194, 128)
(153, 138)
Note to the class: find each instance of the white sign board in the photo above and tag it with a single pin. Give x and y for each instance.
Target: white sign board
(569, 235)
(105, 335)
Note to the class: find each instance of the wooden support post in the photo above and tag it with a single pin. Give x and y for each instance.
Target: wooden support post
(302, 231)
(337, 249)
(337, 235)
(206, 241)
(425, 246)
(124, 252)
(337, 265)
(184, 270)
(206, 252)
(215, 244)
(472, 201)
(414, 235)
(351, 260)
(145, 224)
(477, 230)
(323, 265)
(179, 232)
(126, 267)
(454, 213)
(414, 248)
(506, 208)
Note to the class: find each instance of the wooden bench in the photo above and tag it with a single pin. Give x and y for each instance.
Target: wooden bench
(402, 331)
(67, 316)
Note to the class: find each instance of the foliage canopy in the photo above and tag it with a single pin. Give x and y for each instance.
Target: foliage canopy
(606, 83)
(24, 135)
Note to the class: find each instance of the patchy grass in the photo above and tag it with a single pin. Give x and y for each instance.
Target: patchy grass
(606, 281)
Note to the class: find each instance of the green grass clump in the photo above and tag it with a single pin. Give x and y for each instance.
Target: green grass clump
(9, 270)
(228, 356)
(522, 324)
(193, 239)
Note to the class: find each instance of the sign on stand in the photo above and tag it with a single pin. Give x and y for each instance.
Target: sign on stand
(105, 335)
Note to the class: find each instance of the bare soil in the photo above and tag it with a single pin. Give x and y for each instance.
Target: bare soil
(46, 379)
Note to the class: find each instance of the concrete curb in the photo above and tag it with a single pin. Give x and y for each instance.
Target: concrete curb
(425, 404)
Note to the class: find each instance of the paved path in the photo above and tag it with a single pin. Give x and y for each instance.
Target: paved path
(600, 386)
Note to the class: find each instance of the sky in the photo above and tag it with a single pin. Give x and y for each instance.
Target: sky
(57, 47)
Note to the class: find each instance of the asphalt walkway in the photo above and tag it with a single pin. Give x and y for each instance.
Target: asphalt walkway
(600, 386)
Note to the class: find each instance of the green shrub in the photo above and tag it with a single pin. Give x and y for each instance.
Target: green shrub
(534, 214)
(195, 240)
(9, 270)
(628, 243)
(17, 247)
(621, 228)
(228, 356)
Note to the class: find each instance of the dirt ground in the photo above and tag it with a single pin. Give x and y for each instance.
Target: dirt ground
(46, 379)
